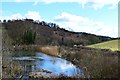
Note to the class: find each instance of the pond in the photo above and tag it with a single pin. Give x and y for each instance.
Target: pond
(41, 61)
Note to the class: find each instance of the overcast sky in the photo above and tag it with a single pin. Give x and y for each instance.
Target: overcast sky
(92, 16)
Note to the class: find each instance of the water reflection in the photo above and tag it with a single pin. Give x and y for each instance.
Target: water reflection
(42, 61)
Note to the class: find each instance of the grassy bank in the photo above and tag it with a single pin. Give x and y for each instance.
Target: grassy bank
(113, 45)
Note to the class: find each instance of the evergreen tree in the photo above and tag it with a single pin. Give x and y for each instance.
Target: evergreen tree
(29, 37)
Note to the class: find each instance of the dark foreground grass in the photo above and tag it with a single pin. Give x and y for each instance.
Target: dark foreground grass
(95, 63)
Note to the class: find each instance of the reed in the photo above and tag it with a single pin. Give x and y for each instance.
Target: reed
(51, 50)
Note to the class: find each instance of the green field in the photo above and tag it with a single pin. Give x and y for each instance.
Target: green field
(113, 45)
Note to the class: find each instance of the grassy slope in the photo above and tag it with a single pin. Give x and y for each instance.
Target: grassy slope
(113, 45)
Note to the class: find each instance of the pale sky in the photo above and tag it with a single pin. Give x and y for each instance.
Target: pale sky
(92, 16)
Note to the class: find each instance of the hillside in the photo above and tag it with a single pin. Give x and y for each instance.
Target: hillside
(96, 63)
(49, 33)
(113, 45)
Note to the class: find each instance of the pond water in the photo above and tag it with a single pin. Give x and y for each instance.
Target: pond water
(40, 61)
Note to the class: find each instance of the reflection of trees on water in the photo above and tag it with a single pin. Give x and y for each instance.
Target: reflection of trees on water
(27, 65)
(47, 63)
(23, 53)
(38, 63)
(53, 60)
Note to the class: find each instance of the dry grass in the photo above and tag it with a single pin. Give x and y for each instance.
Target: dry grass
(96, 63)
(100, 66)
(11, 70)
(51, 50)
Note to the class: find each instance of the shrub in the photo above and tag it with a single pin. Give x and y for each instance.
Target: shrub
(29, 36)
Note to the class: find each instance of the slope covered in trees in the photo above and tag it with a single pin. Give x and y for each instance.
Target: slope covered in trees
(47, 34)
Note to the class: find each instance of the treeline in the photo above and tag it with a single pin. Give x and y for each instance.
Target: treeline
(31, 20)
